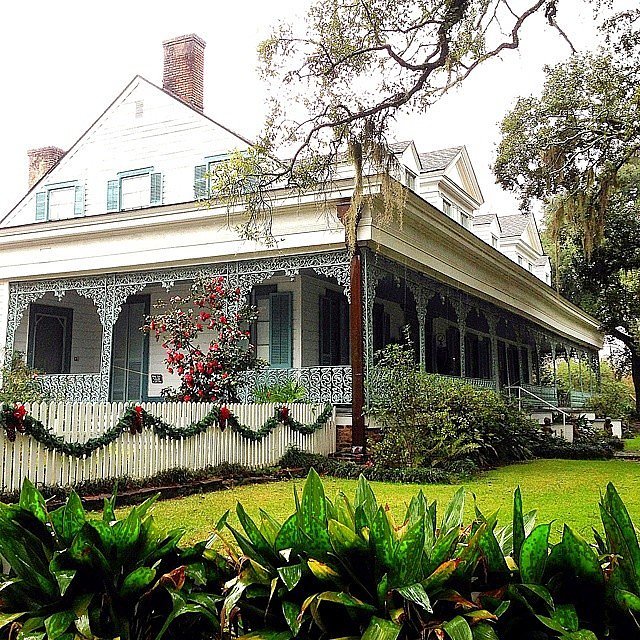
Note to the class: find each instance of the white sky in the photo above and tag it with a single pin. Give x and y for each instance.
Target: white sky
(63, 62)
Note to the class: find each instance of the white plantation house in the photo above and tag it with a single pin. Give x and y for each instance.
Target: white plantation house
(115, 222)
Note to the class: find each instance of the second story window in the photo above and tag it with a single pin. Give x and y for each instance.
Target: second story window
(494, 241)
(465, 219)
(447, 207)
(202, 175)
(60, 201)
(410, 179)
(134, 189)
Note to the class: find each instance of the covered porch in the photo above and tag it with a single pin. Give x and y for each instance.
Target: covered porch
(84, 333)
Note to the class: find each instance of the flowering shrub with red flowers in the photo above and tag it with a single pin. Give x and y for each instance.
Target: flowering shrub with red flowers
(206, 339)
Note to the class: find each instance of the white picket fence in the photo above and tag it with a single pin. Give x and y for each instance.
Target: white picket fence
(143, 455)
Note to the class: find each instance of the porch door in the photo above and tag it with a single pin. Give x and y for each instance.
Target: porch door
(130, 352)
(49, 339)
(334, 329)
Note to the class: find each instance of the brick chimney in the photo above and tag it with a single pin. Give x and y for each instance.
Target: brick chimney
(184, 69)
(41, 160)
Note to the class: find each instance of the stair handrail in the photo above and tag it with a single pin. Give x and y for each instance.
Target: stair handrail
(553, 407)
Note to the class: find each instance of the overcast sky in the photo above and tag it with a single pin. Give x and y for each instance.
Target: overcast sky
(64, 62)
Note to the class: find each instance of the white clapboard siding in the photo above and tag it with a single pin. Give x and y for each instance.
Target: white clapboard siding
(144, 455)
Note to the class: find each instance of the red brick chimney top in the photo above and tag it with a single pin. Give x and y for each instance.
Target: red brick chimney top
(183, 73)
(41, 161)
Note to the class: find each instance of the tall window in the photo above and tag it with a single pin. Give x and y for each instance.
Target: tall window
(447, 207)
(49, 342)
(334, 329)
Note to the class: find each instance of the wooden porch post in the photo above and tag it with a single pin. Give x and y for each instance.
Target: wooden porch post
(356, 338)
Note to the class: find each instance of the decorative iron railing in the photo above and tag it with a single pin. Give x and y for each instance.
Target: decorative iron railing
(548, 395)
(474, 382)
(323, 384)
(71, 387)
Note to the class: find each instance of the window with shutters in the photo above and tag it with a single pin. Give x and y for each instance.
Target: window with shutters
(134, 189)
(60, 201)
(281, 330)
(202, 175)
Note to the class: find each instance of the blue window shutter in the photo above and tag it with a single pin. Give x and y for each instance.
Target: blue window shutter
(156, 188)
(41, 205)
(78, 205)
(113, 195)
(281, 330)
(200, 182)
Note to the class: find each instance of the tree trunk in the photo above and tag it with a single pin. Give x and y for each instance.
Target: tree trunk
(635, 375)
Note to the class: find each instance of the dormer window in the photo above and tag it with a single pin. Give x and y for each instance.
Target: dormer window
(410, 179)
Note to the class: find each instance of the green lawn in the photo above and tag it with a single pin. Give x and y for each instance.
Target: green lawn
(633, 444)
(561, 490)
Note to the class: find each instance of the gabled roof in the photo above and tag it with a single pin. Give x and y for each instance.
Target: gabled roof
(485, 218)
(440, 159)
(399, 147)
(135, 79)
(514, 224)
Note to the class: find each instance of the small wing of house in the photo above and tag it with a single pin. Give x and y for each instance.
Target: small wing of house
(448, 182)
(148, 148)
(520, 241)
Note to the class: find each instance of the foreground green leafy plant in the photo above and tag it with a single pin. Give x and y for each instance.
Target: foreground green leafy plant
(333, 569)
(74, 576)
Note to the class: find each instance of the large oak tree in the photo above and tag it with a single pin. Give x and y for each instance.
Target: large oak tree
(337, 81)
(606, 282)
(567, 146)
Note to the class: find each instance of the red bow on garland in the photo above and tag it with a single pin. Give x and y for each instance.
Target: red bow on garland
(14, 421)
(137, 422)
(223, 416)
(283, 414)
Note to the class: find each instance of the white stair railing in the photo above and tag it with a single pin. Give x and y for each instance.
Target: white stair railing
(542, 401)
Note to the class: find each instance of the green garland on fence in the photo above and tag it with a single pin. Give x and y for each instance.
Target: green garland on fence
(14, 419)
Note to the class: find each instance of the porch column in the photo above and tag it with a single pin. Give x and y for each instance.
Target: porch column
(580, 357)
(495, 365)
(356, 337)
(421, 309)
(520, 362)
(108, 318)
(567, 353)
(461, 310)
(555, 374)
